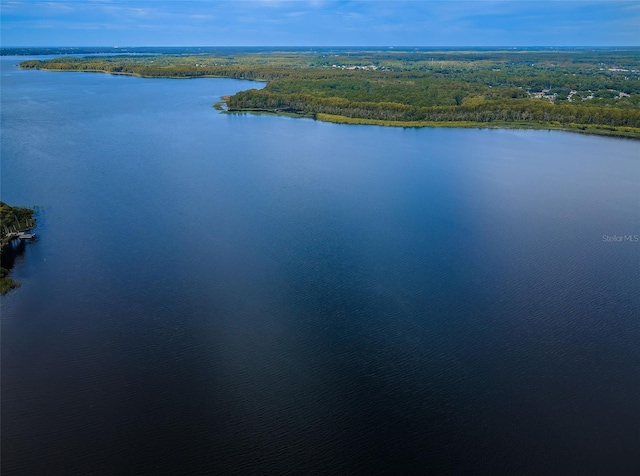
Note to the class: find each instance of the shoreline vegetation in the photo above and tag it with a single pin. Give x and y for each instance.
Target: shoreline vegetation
(14, 220)
(590, 91)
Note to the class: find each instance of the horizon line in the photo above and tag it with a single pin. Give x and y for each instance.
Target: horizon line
(321, 46)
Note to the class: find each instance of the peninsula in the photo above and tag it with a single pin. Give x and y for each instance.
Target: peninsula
(588, 90)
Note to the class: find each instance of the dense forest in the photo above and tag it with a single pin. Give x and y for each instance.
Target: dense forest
(12, 219)
(588, 90)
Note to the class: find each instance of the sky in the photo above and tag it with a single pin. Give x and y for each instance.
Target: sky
(319, 23)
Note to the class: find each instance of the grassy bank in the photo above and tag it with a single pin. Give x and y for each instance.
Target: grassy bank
(628, 132)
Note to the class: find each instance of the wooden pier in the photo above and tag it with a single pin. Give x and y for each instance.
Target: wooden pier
(21, 235)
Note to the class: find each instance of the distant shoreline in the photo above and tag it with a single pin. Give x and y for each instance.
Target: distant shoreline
(498, 90)
(143, 76)
(590, 129)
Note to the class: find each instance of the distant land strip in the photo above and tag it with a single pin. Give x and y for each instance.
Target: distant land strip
(588, 91)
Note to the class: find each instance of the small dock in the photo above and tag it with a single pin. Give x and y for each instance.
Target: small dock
(21, 235)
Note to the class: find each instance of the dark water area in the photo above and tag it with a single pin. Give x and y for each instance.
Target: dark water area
(12, 251)
(230, 294)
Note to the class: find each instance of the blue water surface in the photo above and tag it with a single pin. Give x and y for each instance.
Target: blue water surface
(241, 294)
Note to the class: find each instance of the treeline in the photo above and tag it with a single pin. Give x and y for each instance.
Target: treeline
(469, 77)
(12, 219)
(475, 110)
(149, 69)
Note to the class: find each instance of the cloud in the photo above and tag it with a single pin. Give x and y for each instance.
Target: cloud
(322, 22)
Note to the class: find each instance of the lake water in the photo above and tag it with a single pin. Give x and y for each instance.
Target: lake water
(231, 294)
